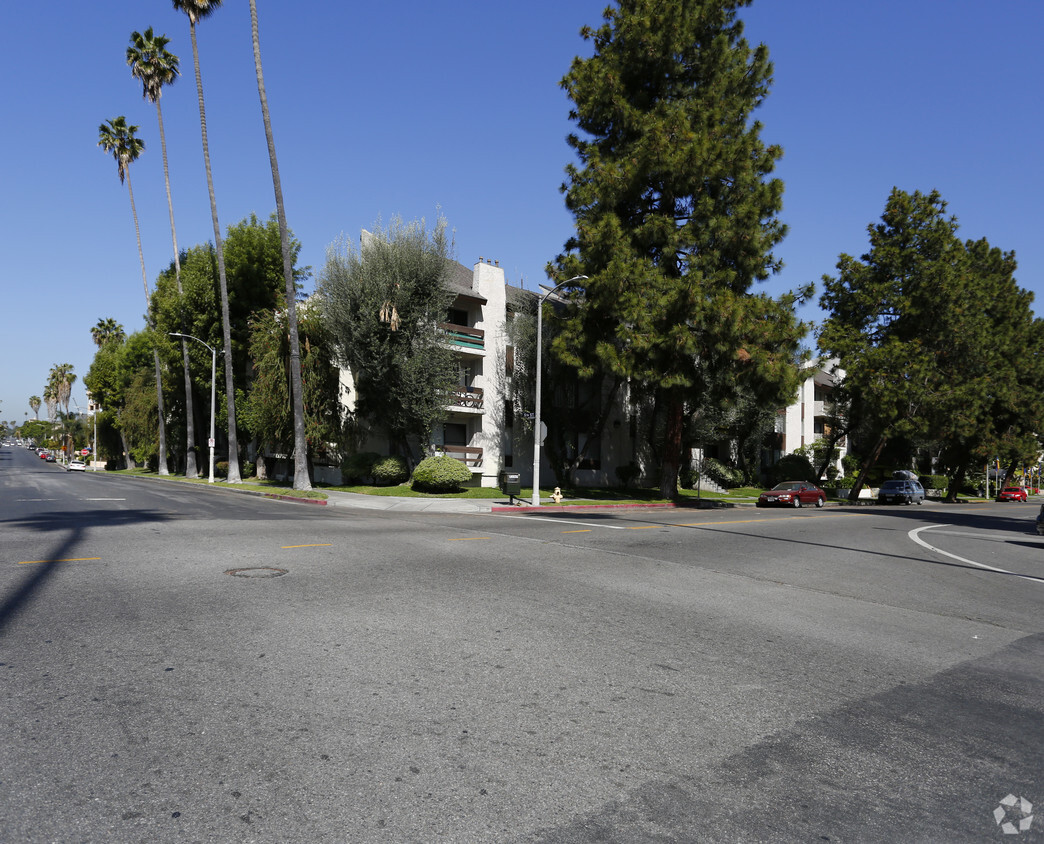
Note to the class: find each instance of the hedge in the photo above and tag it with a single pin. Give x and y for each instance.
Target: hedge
(440, 473)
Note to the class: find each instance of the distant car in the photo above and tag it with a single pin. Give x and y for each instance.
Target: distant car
(1013, 493)
(792, 494)
(50, 458)
(77, 466)
(42, 455)
(900, 492)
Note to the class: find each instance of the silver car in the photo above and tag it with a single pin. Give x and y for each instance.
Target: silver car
(900, 492)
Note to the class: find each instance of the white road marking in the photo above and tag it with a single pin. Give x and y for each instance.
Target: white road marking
(913, 534)
(103, 499)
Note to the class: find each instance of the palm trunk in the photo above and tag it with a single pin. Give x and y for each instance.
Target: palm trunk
(190, 431)
(867, 464)
(230, 393)
(301, 474)
(155, 351)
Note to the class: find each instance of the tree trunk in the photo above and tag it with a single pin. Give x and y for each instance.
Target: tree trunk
(671, 450)
(853, 495)
(956, 482)
(301, 463)
(230, 392)
(159, 373)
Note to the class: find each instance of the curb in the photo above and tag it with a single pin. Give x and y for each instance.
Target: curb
(652, 505)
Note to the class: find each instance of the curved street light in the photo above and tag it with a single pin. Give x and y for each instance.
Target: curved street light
(536, 415)
(213, 380)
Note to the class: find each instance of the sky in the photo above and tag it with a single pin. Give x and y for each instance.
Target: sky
(416, 109)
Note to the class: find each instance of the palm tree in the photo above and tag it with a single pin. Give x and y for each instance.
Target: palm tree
(107, 330)
(34, 404)
(301, 479)
(117, 137)
(196, 11)
(150, 62)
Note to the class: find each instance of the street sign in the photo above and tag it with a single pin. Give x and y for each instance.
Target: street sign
(526, 414)
(84, 452)
(210, 442)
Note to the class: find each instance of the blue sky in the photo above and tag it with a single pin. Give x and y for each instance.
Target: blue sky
(405, 108)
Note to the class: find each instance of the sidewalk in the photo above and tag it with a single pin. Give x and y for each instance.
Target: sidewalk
(410, 505)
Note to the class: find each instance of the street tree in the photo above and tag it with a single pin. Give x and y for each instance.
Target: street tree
(383, 305)
(301, 475)
(675, 214)
(34, 405)
(196, 11)
(156, 67)
(923, 325)
(107, 330)
(117, 137)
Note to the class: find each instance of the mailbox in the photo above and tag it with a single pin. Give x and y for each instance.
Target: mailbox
(511, 483)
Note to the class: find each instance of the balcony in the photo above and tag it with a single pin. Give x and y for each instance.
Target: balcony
(466, 454)
(470, 397)
(464, 335)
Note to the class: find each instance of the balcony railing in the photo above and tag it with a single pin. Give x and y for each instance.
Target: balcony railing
(466, 454)
(466, 397)
(464, 335)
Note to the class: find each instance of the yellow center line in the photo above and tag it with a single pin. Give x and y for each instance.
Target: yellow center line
(586, 530)
(645, 527)
(468, 538)
(314, 545)
(748, 521)
(69, 560)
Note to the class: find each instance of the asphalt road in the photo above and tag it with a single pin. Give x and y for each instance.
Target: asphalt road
(190, 664)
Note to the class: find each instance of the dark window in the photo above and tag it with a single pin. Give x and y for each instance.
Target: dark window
(455, 433)
(509, 413)
(457, 316)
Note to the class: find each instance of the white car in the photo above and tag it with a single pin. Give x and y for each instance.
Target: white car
(77, 466)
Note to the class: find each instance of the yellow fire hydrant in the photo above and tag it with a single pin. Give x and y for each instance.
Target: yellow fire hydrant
(556, 496)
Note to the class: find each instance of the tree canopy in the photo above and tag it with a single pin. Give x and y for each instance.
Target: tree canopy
(383, 306)
(676, 213)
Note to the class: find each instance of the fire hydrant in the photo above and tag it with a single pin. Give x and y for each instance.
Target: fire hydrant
(556, 496)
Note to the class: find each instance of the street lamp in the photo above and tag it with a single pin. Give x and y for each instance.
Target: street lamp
(213, 381)
(536, 415)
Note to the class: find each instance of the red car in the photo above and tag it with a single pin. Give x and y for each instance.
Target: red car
(42, 455)
(1013, 493)
(792, 494)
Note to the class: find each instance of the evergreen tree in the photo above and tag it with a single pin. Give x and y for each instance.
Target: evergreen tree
(675, 214)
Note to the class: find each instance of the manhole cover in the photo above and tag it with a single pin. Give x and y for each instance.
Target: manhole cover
(261, 571)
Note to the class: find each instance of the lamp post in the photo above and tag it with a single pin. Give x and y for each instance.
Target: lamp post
(536, 414)
(213, 381)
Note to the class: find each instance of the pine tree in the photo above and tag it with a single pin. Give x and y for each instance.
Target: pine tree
(676, 213)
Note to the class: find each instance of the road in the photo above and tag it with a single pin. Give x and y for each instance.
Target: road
(191, 664)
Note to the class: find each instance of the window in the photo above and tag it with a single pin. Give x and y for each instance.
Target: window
(457, 316)
(509, 413)
(455, 433)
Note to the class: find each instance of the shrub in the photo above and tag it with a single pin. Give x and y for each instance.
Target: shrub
(221, 469)
(390, 470)
(792, 467)
(248, 469)
(934, 481)
(721, 474)
(628, 474)
(440, 473)
(153, 463)
(358, 467)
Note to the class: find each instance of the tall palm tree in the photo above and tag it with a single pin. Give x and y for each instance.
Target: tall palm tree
(34, 404)
(117, 137)
(151, 62)
(196, 11)
(301, 479)
(107, 330)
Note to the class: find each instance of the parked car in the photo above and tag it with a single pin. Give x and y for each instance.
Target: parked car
(792, 494)
(900, 492)
(1013, 493)
(77, 466)
(50, 458)
(42, 455)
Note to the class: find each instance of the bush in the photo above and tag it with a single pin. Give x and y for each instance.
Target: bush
(440, 473)
(248, 469)
(627, 475)
(721, 474)
(793, 467)
(934, 481)
(221, 469)
(358, 467)
(390, 470)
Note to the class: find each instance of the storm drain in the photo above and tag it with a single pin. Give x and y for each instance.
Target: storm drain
(261, 571)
